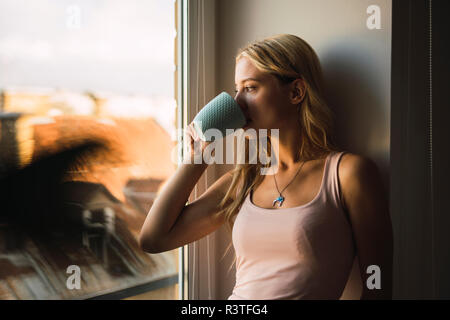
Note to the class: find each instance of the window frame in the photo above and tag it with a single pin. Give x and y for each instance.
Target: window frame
(197, 48)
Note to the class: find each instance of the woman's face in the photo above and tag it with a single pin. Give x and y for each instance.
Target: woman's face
(263, 99)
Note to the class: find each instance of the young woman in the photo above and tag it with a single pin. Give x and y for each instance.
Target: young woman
(295, 231)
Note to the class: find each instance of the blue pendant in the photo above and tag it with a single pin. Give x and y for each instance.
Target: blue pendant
(280, 199)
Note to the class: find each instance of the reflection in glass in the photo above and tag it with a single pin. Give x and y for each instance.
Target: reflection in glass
(86, 117)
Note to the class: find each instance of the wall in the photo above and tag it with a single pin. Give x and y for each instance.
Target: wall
(356, 65)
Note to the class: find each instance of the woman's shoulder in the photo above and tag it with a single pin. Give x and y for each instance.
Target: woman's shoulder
(352, 163)
(354, 169)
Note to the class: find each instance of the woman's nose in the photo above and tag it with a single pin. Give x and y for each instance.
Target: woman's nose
(238, 99)
(241, 104)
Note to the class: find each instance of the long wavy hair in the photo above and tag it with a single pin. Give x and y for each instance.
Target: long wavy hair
(287, 57)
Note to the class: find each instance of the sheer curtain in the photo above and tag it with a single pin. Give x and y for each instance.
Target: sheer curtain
(199, 89)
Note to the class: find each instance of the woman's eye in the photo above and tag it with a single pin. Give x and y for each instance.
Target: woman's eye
(246, 88)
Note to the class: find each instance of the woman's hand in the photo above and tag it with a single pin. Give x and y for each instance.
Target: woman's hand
(195, 145)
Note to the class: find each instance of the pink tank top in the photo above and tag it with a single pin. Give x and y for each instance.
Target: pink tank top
(304, 252)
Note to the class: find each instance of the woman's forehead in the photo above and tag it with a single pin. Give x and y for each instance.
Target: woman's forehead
(245, 64)
(246, 70)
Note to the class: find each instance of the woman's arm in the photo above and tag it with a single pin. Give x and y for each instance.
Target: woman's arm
(368, 209)
(171, 223)
(169, 204)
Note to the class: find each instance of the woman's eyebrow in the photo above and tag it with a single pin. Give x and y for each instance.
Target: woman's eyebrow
(248, 79)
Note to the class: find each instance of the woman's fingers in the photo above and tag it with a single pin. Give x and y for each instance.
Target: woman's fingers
(196, 146)
(194, 143)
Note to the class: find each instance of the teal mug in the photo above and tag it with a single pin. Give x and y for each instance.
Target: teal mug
(221, 113)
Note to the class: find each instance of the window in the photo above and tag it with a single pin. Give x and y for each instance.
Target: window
(87, 114)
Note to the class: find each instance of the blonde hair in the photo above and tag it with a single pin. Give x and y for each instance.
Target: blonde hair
(287, 57)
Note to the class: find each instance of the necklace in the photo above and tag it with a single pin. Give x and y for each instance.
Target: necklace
(280, 198)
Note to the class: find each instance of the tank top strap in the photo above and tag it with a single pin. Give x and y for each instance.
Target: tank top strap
(332, 185)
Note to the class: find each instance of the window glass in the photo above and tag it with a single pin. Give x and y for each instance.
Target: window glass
(87, 113)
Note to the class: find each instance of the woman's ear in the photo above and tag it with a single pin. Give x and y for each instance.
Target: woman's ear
(298, 91)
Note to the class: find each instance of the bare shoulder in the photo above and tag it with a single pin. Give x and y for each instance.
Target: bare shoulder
(355, 170)
(354, 163)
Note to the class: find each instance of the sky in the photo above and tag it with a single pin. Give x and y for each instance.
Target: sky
(118, 46)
